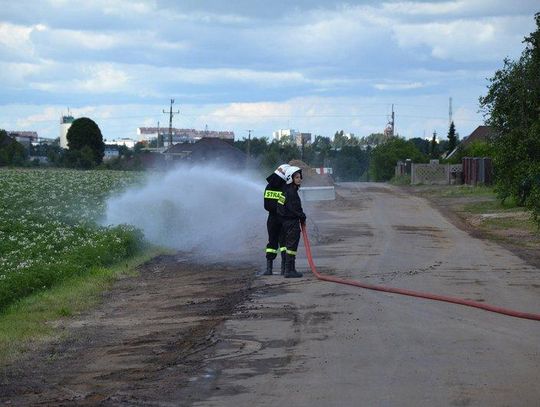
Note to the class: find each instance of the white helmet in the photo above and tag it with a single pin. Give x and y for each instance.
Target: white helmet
(290, 171)
(281, 171)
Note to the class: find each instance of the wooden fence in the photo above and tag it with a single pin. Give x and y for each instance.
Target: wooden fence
(477, 170)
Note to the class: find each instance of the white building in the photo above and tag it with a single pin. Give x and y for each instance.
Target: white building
(128, 142)
(181, 135)
(65, 124)
(281, 133)
(295, 136)
(110, 153)
(24, 137)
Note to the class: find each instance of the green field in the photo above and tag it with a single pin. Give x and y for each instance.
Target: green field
(50, 227)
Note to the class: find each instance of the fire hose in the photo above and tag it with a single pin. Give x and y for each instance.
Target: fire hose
(468, 303)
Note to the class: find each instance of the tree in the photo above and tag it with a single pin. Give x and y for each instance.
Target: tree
(339, 139)
(421, 144)
(350, 163)
(433, 148)
(452, 139)
(385, 156)
(374, 139)
(257, 146)
(511, 106)
(84, 132)
(11, 151)
(279, 152)
(321, 146)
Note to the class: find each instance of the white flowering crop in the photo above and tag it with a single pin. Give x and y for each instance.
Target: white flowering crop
(49, 226)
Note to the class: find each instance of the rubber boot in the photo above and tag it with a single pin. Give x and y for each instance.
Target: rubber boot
(283, 261)
(268, 271)
(290, 269)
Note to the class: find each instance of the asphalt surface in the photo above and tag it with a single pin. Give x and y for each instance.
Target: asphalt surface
(312, 343)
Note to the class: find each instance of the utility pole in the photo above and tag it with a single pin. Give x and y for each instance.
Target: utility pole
(249, 143)
(392, 123)
(171, 113)
(157, 139)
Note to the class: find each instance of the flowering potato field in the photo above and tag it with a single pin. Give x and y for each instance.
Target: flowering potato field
(50, 230)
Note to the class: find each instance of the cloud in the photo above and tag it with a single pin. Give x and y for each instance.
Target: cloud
(17, 39)
(461, 40)
(253, 113)
(457, 9)
(48, 114)
(397, 85)
(96, 78)
(103, 79)
(412, 8)
(114, 7)
(312, 65)
(100, 40)
(15, 74)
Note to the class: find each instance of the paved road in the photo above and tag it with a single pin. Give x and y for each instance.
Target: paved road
(311, 343)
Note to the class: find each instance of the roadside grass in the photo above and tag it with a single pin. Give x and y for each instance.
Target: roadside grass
(525, 224)
(492, 206)
(401, 180)
(457, 190)
(34, 319)
(479, 207)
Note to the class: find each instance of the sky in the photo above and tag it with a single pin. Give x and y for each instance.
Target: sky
(239, 65)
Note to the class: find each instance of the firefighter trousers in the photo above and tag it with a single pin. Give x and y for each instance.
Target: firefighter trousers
(291, 231)
(275, 236)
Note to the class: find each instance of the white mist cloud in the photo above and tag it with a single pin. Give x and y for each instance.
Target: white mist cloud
(207, 210)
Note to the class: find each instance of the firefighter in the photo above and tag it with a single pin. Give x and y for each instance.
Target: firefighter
(272, 193)
(290, 209)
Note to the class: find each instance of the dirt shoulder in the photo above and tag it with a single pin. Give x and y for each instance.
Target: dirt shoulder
(511, 229)
(144, 343)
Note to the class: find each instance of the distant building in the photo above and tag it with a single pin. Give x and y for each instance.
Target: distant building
(291, 134)
(65, 124)
(125, 141)
(110, 153)
(208, 151)
(181, 135)
(481, 133)
(295, 136)
(24, 137)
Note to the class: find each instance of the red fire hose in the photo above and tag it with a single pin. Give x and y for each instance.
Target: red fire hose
(428, 296)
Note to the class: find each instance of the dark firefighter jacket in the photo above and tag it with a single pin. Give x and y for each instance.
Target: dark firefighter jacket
(272, 192)
(290, 207)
